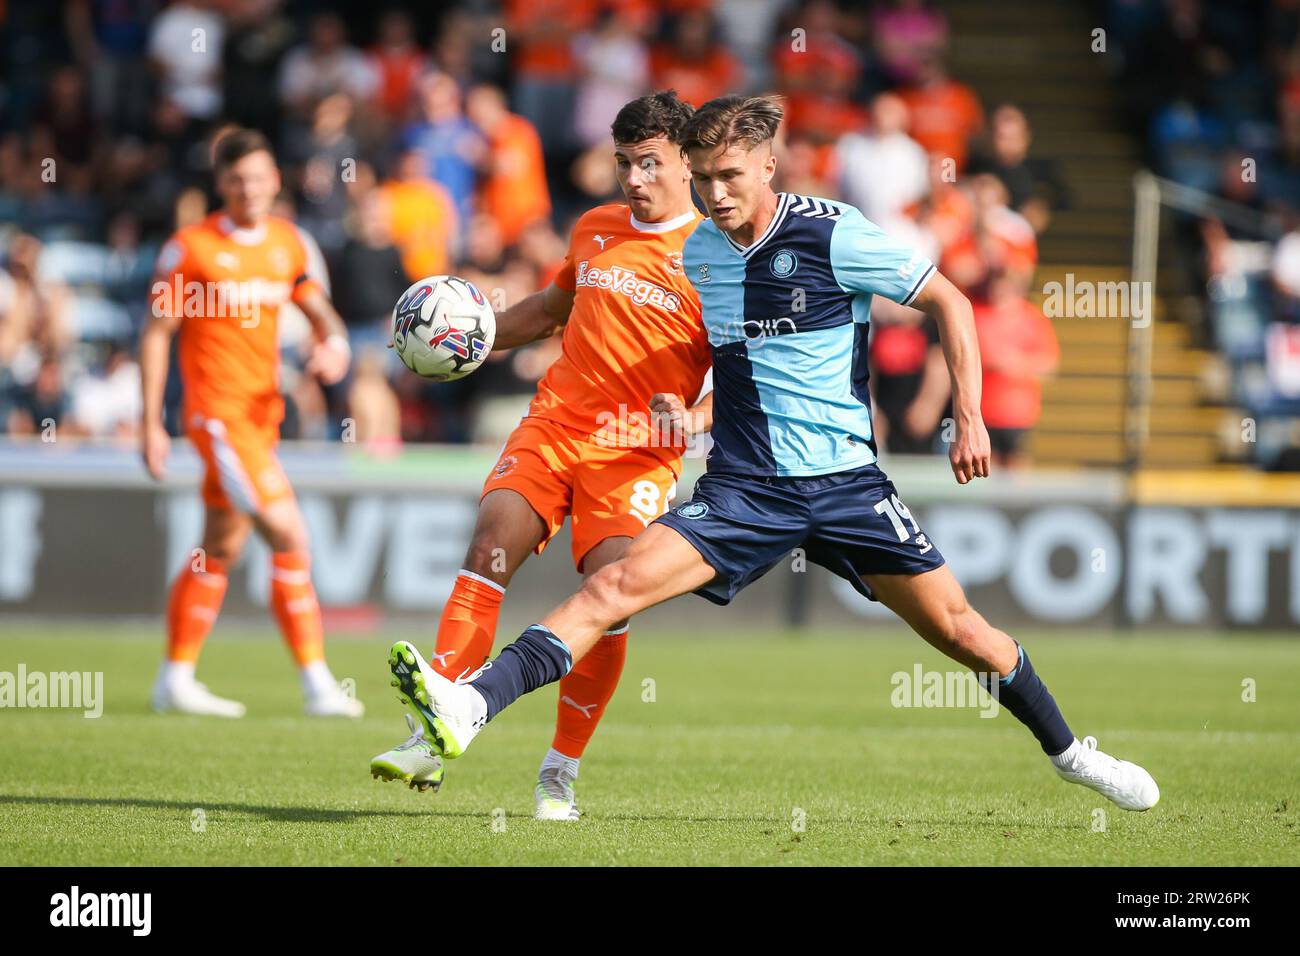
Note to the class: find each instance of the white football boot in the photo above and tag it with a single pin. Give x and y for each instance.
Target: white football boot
(413, 762)
(451, 714)
(185, 695)
(333, 703)
(323, 696)
(554, 795)
(1123, 783)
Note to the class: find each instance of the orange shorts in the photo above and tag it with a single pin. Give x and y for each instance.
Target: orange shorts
(241, 470)
(608, 492)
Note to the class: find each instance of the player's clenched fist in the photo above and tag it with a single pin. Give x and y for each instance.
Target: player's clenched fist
(155, 444)
(330, 359)
(668, 414)
(971, 451)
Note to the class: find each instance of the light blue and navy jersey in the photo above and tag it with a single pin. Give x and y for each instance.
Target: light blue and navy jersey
(787, 320)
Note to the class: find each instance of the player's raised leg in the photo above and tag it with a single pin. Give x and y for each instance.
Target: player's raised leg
(192, 609)
(297, 609)
(660, 564)
(935, 606)
(584, 694)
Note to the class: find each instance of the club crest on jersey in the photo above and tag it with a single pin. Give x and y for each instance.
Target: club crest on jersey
(674, 263)
(693, 510)
(783, 264)
(704, 273)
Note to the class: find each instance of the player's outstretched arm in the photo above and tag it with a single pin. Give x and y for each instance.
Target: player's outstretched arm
(536, 317)
(155, 355)
(330, 358)
(970, 452)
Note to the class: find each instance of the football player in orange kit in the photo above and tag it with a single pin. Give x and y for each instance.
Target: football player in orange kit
(603, 438)
(219, 284)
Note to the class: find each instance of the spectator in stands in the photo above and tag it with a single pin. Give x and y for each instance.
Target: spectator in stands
(34, 319)
(613, 67)
(67, 132)
(376, 410)
(452, 147)
(39, 405)
(325, 64)
(592, 175)
(1034, 186)
(947, 213)
(422, 218)
(905, 34)
(185, 43)
(819, 71)
(694, 62)
(110, 42)
(882, 170)
(107, 403)
(318, 159)
(801, 168)
(909, 380)
(369, 276)
(257, 39)
(397, 62)
(128, 266)
(543, 249)
(1225, 240)
(1285, 270)
(1018, 349)
(1001, 240)
(749, 27)
(945, 114)
(513, 190)
(545, 69)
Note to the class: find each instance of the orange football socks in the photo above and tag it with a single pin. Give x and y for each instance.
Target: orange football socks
(192, 608)
(297, 611)
(585, 691)
(468, 625)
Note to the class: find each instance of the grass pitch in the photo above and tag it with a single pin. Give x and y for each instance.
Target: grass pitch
(716, 750)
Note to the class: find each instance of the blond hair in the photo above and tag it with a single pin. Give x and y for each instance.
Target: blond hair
(733, 121)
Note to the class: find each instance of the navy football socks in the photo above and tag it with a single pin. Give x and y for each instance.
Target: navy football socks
(1024, 694)
(536, 658)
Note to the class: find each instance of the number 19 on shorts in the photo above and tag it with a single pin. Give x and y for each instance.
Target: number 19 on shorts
(897, 513)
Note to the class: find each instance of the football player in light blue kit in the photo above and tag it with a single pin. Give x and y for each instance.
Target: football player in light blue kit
(786, 283)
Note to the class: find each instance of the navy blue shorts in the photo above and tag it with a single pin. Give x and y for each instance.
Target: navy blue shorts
(851, 523)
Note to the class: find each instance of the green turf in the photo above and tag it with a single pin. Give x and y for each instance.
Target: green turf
(745, 736)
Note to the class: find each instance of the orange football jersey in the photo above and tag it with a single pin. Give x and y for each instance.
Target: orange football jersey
(635, 329)
(227, 284)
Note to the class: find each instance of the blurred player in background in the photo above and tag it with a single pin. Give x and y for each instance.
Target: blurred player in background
(219, 284)
(634, 349)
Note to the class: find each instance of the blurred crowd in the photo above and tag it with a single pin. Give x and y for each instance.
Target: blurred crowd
(1215, 90)
(466, 137)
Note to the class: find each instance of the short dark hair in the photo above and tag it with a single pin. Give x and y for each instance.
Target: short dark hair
(235, 145)
(733, 121)
(656, 114)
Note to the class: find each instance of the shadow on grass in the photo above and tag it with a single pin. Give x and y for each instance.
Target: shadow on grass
(328, 815)
(274, 814)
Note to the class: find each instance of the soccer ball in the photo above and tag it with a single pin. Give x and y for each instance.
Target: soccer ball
(443, 328)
